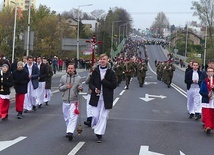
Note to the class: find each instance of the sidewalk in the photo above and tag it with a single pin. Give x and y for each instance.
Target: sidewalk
(58, 74)
(166, 52)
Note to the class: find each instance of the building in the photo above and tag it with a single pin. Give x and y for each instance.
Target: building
(22, 4)
(94, 24)
(73, 23)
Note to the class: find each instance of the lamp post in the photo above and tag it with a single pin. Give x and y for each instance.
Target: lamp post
(14, 30)
(112, 33)
(186, 43)
(78, 33)
(119, 31)
(28, 29)
(205, 46)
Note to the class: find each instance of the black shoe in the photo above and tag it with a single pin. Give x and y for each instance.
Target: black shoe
(25, 111)
(168, 85)
(207, 130)
(69, 135)
(34, 108)
(197, 117)
(46, 103)
(191, 116)
(5, 118)
(19, 116)
(127, 87)
(141, 85)
(99, 138)
(87, 123)
(39, 106)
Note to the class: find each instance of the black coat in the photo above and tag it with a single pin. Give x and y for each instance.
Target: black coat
(6, 83)
(48, 77)
(188, 78)
(21, 79)
(43, 72)
(109, 83)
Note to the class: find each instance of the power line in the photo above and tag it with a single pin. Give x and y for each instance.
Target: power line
(146, 13)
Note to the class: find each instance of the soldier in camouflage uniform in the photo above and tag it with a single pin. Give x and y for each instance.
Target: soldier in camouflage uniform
(170, 68)
(158, 70)
(141, 72)
(118, 68)
(163, 71)
(128, 70)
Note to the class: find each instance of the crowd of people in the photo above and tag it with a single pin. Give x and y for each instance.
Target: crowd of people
(31, 79)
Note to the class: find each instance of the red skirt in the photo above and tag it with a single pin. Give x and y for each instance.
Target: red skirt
(208, 117)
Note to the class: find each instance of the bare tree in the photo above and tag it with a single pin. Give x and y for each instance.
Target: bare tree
(161, 22)
(205, 11)
(97, 14)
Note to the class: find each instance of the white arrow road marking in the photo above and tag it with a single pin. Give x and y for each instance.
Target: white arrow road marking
(76, 148)
(147, 83)
(144, 150)
(148, 97)
(181, 153)
(6, 144)
(158, 96)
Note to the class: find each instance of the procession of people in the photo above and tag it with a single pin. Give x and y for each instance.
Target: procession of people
(31, 79)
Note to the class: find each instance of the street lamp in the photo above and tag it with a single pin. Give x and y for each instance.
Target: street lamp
(205, 46)
(14, 30)
(112, 33)
(78, 33)
(28, 29)
(186, 43)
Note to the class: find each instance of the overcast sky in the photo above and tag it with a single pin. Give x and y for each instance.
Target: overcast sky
(143, 12)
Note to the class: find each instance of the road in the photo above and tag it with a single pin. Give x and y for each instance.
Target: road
(152, 120)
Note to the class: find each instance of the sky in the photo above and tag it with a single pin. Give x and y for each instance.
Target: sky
(143, 12)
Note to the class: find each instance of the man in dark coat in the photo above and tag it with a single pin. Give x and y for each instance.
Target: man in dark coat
(43, 68)
(30, 96)
(102, 84)
(193, 86)
(48, 80)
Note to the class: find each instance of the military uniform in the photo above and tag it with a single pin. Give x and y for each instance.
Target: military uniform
(170, 68)
(128, 70)
(141, 73)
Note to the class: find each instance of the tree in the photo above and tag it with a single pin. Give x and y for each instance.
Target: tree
(161, 22)
(205, 11)
(97, 14)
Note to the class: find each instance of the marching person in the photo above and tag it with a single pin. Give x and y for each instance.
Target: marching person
(170, 68)
(6, 82)
(40, 91)
(21, 79)
(30, 96)
(102, 84)
(48, 80)
(128, 70)
(141, 72)
(70, 84)
(206, 91)
(193, 85)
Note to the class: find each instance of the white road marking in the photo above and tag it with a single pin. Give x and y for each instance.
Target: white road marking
(115, 101)
(122, 92)
(144, 150)
(76, 148)
(6, 144)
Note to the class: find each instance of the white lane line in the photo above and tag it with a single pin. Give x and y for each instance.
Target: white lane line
(115, 101)
(76, 148)
(122, 92)
(6, 144)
